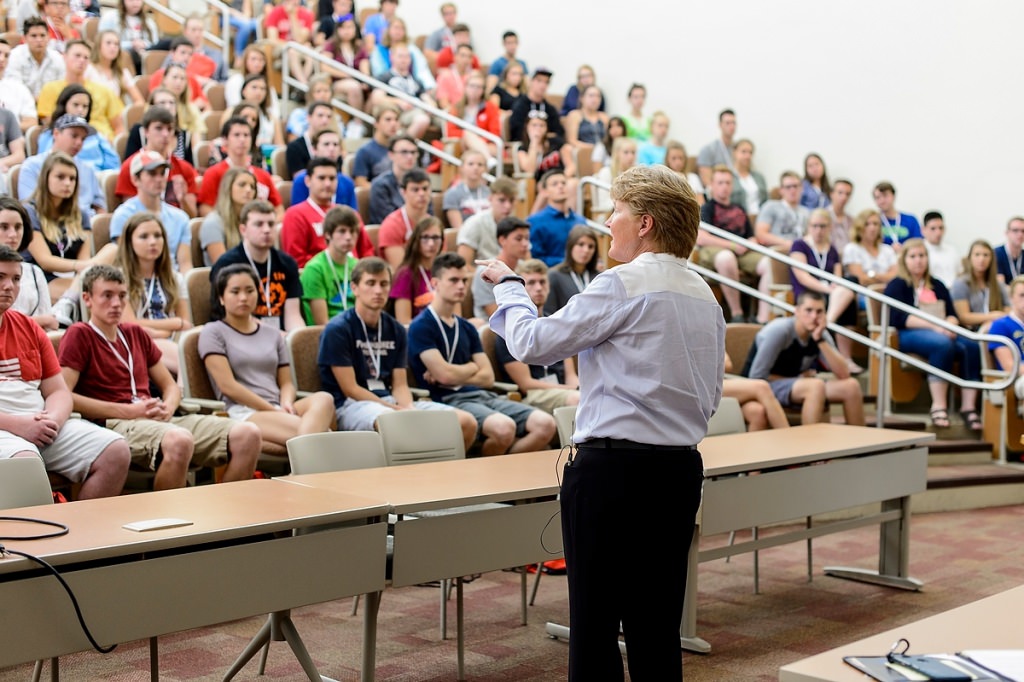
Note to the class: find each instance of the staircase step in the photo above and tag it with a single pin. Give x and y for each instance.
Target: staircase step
(965, 475)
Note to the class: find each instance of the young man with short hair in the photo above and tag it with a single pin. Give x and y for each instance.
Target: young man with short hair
(397, 227)
(34, 63)
(943, 258)
(402, 77)
(545, 387)
(842, 224)
(280, 290)
(444, 36)
(149, 175)
(549, 227)
(446, 356)
(363, 360)
(326, 277)
(535, 99)
(469, 195)
(897, 227)
(779, 223)
(719, 151)
(513, 247)
(510, 45)
(106, 113)
(158, 135)
(1010, 256)
(721, 255)
(451, 79)
(478, 236)
(327, 144)
(109, 367)
(372, 158)
(787, 352)
(35, 403)
(302, 234)
(210, 67)
(15, 95)
(385, 191)
(300, 150)
(237, 137)
(183, 53)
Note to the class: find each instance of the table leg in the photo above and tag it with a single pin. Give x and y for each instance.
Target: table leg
(688, 638)
(370, 637)
(893, 553)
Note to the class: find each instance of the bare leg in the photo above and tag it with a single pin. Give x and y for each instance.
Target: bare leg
(727, 266)
(176, 447)
(847, 391)
(499, 434)
(244, 445)
(108, 472)
(540, 429)
(809, 393)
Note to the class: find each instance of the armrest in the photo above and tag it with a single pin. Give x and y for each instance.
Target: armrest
(201, 405)
(419, 393)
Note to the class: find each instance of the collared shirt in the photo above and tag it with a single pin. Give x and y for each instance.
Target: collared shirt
(16, 98)
(24, 68)
(651, 343)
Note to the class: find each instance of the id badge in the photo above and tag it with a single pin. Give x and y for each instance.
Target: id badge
(375, 385)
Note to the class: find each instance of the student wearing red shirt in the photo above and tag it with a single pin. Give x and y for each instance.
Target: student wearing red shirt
(290, 21)
(158, 127)
(237, 136)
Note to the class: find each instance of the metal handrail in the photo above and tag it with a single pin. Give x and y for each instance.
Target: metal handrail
(223, 42)
(887, 302)
(287, 81)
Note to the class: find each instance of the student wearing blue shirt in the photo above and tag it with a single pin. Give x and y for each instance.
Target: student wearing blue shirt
(897, 227)
(327, 144)
(549, 227)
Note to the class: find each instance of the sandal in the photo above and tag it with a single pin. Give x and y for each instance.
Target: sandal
(971, 419)
(940, 418)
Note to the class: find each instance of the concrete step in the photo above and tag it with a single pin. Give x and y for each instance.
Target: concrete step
(953, 487)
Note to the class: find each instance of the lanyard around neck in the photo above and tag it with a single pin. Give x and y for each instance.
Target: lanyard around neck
(129, 363)
(449, 348)
(341, 284)
(374, 359)
(266, 287)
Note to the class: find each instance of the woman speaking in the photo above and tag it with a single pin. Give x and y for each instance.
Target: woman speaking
(651, 342)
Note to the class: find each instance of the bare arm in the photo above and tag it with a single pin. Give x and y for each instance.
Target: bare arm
(474, 372)
(403, 310)
(519, 372)
(346, 378)
(454, 217)
(393, 255)
(293, 314)
(318, 308)
(219, 369)
(184, 257)
(763, 235)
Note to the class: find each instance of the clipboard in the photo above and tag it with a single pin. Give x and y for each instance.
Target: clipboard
(879, 668)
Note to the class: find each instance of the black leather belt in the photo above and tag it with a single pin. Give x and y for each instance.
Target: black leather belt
(618, 444)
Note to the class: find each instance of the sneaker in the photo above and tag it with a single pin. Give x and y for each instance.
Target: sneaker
(66, 312)
(355, 129)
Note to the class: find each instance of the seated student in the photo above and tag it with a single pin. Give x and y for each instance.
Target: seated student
(412, 290)
(249, 366)
(468, 195)
(69, 134)
(287, 22)
(238, 144)
(478, 236)
(149, 175)
(97, 151)
(725, 257)
(109, 366)
(944, 260)
(474, 108)
(302, 228)
(397, 227)
(219, 229)
(446, 357)
(280, 290)
(327, 144)
(184, 54)
(33, 299)
(372, 158)
(787, 352)
(363, 358)
(543, 386)
(653, 150)
(761, 409)
(513, 247)
(300, 150)
(184, 132)
(60, 229)
(979, 298)
(35, 403)
(326, 291)
(1012, 327)
(156, 292)
(572, 275)
(1010, 256)
(385, 190)
(549, 227)
(400, 76)
(897, 227)
(300, 120)
(915, 286)
(158, 128)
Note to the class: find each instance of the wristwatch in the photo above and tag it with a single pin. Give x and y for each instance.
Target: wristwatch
(512, 278)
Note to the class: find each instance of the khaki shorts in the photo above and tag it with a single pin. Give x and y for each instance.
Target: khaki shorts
(209, 433)
(747, 262)
(548, 399)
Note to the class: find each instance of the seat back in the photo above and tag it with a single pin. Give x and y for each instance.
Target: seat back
(12, 181)
(727, 419)
(198, 255)
(195, 381)
(100, 231)
(24, 483)
(32, 140)
(565, 420)
(303, 351)
(739, 339)
(413, 436)
(363, 203)
(109, 179)
(782, 285)
(197, 283)
(152, 59)
(279, 163)
(316, 453)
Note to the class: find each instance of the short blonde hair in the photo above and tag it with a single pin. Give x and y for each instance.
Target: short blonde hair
(658, 192)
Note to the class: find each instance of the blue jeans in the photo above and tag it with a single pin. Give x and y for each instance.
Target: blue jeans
(245, 32)
(941, 351)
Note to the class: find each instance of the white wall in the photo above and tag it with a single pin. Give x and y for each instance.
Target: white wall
(918, 92)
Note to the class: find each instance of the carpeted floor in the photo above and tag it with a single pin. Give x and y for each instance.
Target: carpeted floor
(960, 556)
